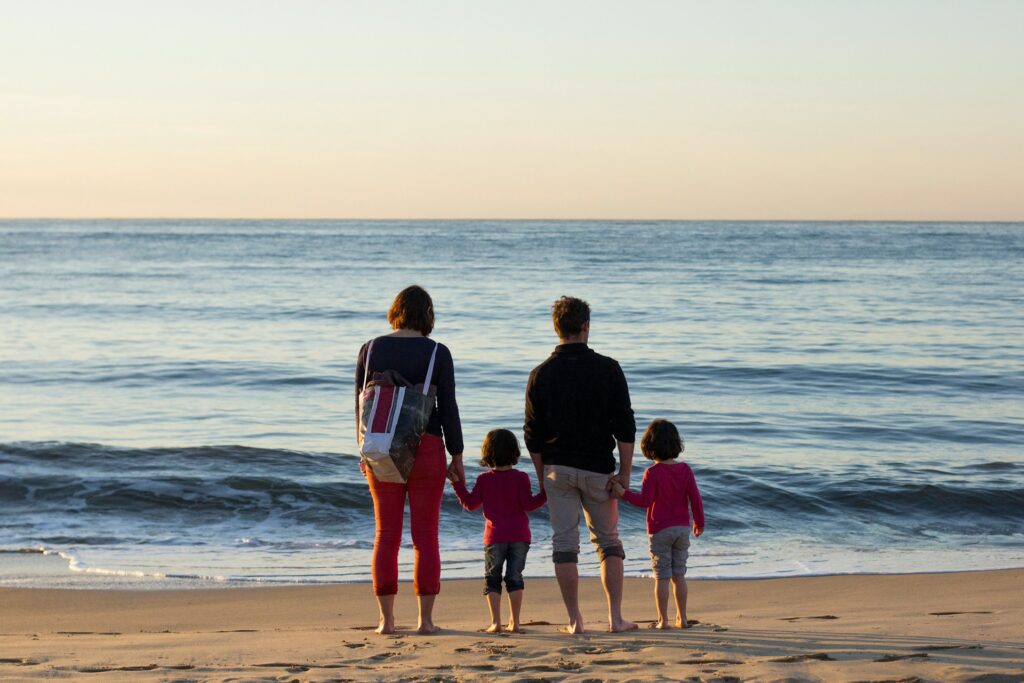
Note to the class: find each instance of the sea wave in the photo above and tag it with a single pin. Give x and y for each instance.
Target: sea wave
(223, 484)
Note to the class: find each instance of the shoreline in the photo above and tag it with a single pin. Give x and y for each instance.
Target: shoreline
(955, 626)
(59, 567)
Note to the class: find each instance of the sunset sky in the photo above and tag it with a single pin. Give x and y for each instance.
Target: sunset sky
(734, 110)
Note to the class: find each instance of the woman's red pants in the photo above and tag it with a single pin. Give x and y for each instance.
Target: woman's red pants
(424, 488)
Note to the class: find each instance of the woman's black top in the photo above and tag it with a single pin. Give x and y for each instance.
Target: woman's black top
(410, 356)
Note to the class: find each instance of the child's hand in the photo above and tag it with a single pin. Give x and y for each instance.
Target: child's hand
(617, 489)
(697, 530)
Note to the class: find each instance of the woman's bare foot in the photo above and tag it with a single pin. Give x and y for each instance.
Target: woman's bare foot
(622, 625)
(427, 628)
(493, 628)
(386, 627)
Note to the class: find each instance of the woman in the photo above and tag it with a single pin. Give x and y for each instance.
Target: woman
(407, 351)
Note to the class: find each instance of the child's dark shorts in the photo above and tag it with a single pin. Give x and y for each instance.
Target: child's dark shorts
(513, 557)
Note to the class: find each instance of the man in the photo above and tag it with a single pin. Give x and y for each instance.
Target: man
(577, 410)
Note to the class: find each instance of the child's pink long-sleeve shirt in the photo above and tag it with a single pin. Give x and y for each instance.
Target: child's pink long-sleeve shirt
(665, 492)
(506, 497)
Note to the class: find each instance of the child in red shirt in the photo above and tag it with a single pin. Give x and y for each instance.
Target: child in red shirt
(667, 488)
(505, 494)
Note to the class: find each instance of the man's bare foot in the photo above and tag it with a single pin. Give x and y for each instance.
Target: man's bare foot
(622, 625)
(428, 628)
(661, 624)
(493, 628)
(386, 627)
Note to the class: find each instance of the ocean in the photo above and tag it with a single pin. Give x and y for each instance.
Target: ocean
(176, 400)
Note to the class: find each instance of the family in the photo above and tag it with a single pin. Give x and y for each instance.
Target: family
(578, 413)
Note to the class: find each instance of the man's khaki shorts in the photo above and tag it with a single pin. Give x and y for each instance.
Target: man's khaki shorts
(568, 490)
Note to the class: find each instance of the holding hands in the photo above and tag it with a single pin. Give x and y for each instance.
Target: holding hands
(615, 488)
(455, 470)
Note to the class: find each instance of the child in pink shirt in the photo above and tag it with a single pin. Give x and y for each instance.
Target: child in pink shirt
(505, 494)
(669, 491)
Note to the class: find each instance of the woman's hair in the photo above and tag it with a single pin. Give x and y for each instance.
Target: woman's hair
(500, 449)
(661, 441)
(412, 309)
(569, 315)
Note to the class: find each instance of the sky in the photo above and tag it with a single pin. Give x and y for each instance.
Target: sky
(874, 110)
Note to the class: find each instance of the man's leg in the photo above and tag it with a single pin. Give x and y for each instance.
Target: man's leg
(569, 583)
(602, 514)
(564, 510)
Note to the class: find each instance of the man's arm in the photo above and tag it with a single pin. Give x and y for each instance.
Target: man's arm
(625, 463)
(623, 425)
(534, 432)
(538, 464)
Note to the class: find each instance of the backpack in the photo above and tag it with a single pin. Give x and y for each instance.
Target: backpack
(393, 416)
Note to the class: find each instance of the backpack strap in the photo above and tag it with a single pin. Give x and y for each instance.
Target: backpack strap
(426, 380)
(430, 370)
(366, 367)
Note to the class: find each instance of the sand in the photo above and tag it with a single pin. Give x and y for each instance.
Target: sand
(930, 627)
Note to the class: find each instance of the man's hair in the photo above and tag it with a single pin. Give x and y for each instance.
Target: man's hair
(500, 448)
(661, 441)
(569, 315)
(412, 309)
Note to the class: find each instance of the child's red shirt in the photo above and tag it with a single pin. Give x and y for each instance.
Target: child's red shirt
(506, 498)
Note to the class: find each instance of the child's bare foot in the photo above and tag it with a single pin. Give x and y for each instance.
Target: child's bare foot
(622, 625)
(493, 628)
(426, 628)
(386, 627)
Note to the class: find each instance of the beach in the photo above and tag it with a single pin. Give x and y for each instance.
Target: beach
(966, 626)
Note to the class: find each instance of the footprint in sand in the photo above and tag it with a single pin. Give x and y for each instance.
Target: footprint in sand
(896, 658)
(290, 667)
(559, 667)
(101, 669)
(586, 650)
(380, 657)
(804, 657)
(494, 649)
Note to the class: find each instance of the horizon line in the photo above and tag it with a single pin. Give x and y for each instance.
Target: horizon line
(509, 220)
